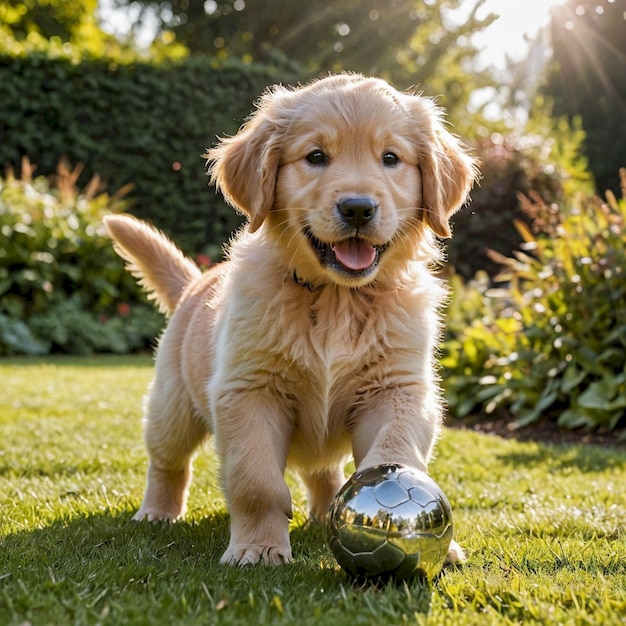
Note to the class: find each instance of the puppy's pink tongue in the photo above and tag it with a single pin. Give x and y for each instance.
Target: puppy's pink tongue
(355, 254)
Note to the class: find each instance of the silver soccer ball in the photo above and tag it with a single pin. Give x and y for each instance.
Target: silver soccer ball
(390, 520)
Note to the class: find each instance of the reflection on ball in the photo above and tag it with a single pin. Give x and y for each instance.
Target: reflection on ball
(390, 520)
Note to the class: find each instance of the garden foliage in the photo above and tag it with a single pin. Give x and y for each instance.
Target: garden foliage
(585, 78)
(552, 340)
(62, 287)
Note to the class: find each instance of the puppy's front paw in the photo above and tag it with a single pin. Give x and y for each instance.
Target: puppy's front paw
(456, 554)
(249, 554)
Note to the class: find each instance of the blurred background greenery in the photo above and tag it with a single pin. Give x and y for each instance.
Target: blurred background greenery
(107, 106)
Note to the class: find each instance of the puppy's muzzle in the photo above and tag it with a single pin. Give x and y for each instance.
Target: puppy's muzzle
(357, 212)
(352, 255)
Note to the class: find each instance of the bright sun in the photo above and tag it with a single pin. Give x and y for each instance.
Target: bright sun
(518, 19)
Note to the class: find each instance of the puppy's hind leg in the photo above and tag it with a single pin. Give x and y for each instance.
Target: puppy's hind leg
(456, 554)
(171, 439)
(173, 430)
(322, 487)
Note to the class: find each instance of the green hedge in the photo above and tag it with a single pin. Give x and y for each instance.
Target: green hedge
(141, 124)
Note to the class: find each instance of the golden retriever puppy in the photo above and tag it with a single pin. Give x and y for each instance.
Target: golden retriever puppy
(316, 338)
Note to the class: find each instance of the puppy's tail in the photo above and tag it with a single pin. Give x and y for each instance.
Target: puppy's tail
(161, 268)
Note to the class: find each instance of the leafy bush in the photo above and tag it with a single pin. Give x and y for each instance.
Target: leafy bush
(553, 339)
(62, 287)
(545, 159)
(480, 330)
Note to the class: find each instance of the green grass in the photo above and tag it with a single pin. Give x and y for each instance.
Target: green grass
(545, 526)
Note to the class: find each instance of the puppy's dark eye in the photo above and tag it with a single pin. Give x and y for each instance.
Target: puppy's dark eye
(390, 159)
(317, 157)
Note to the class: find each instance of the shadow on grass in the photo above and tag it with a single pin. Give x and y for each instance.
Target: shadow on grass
(75, 570)
(116, 542)
(584, 457)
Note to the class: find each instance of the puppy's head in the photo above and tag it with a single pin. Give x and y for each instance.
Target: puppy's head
(346, 175)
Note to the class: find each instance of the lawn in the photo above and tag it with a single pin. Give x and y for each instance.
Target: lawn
(545, 525)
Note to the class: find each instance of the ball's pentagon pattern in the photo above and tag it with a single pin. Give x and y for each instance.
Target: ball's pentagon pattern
(390, 520)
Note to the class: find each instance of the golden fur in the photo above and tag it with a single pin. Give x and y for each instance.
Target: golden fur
(315, 339)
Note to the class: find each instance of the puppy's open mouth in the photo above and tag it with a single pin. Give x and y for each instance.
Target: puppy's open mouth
(353, 256)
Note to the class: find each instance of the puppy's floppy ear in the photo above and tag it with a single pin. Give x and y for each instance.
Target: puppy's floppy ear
(244, 167)
(447, 170)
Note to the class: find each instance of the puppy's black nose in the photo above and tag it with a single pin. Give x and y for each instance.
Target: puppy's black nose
(357, 212)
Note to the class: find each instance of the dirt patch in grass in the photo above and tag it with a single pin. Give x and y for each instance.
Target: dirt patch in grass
(503, 425)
